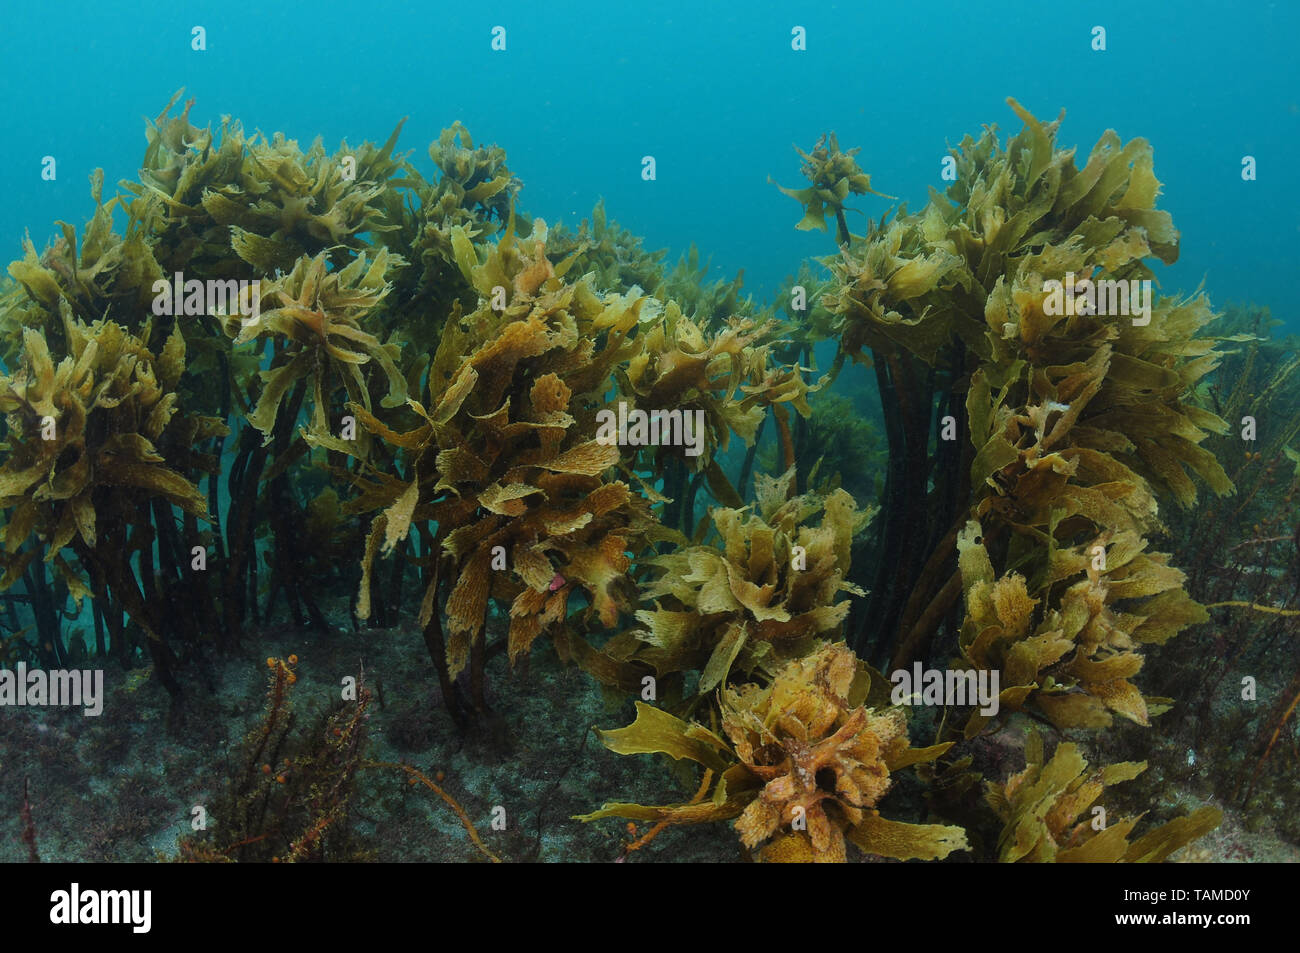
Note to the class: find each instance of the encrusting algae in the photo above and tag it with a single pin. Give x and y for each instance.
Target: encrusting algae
(406, 388)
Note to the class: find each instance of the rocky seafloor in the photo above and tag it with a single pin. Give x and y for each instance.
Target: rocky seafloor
(121, 787)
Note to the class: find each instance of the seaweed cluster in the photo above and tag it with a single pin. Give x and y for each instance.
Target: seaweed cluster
(288, 799)
(1243, 554)
(1029, 443)
(802, 765)
(365, 379)
(1043, 809)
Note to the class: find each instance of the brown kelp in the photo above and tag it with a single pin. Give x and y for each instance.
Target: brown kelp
(1239, 673)
(801, 767)
(504, 471)
(301, 373)
(211, 216)
(767, 592)
(1059, 427)
(97, 449)
(1051, 815)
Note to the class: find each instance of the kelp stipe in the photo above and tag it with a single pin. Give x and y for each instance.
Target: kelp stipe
(512, 434)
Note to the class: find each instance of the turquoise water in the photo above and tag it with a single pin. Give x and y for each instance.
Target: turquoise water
(713, 91)
(580, 96)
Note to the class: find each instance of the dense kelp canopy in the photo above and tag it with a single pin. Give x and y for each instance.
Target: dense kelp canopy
(364, 374)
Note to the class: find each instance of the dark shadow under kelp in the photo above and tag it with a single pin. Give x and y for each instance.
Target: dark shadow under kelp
(1243, 554)
(419, 412)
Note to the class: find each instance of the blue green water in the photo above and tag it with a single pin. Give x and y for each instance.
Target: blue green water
(713, 91)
